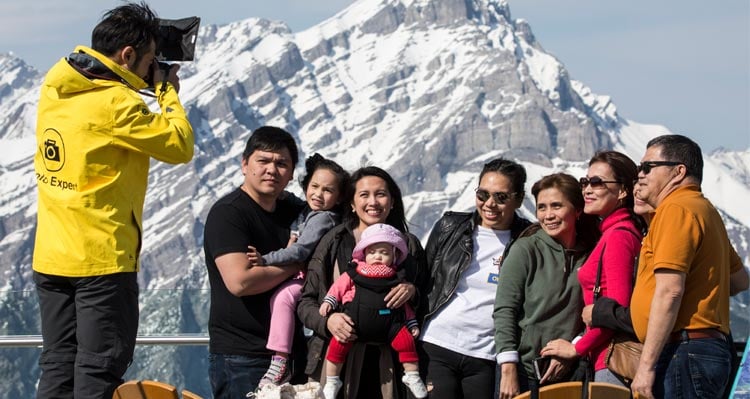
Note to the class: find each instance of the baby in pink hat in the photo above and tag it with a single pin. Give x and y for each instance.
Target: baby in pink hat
(361, 292)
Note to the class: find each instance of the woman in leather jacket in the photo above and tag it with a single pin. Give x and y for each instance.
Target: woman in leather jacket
(463, 257)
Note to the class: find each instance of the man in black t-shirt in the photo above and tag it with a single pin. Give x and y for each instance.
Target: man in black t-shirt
(253, 214)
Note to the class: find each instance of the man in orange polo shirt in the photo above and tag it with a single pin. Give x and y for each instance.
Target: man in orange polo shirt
(680, 304)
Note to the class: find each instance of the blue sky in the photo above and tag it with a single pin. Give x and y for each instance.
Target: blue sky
(684, 64)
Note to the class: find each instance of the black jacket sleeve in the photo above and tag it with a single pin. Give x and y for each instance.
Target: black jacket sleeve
(429, 279)
(317, 282)
(416, 273)
(607, 313)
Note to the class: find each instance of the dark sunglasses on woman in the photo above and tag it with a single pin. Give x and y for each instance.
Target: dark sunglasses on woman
(595, 182)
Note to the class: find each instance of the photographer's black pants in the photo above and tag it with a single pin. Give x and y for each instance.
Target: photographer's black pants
(89, 326)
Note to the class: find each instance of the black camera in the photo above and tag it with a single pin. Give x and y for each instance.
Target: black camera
(175, 42)
(163, 66)
(51, 150)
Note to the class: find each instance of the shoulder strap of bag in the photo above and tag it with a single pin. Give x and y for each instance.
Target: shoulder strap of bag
(597, 284)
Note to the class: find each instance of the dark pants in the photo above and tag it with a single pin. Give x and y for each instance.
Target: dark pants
(693, 368)
(453, 375)
(89, 326)
(233, 376)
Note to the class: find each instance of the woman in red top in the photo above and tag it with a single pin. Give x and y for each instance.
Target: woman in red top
(608, 193)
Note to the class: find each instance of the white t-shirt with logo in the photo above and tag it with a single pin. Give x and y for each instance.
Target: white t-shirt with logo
(464, 324)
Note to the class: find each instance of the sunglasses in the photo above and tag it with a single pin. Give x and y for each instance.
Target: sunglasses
(646, 167)
(499, 197)
(595, 182)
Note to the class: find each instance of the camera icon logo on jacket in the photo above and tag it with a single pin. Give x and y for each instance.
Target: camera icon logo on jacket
(52, 148)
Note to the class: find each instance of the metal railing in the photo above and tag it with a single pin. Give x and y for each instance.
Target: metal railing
(31, 341)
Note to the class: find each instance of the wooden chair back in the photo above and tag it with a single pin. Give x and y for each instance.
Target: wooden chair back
(562, 390)
(189, 395)
(145, 390)
(603, 390)
(129, 390)
(573, 390)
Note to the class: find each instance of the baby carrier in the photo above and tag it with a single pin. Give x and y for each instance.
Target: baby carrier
(375, 323)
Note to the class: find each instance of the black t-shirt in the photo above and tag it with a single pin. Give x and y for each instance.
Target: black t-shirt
(240, 325)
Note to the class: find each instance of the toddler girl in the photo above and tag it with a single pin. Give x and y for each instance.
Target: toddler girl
(324, 183)
(361, 291)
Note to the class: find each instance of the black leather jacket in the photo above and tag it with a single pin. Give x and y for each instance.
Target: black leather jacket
(449, 250)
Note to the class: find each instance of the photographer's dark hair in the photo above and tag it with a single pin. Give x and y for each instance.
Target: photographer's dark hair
(397, 215)
(678, 148)
(317, 161)
(514, 171)
(271, 138)
(131, 24)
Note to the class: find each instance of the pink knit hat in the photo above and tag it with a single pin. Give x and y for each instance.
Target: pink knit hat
(381, 232)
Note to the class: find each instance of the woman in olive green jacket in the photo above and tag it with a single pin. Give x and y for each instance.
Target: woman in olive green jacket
(538, 295)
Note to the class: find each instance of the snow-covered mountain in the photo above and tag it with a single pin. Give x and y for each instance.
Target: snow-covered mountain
(427, 89)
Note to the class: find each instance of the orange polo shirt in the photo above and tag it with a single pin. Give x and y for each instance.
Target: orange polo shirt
(687, 235)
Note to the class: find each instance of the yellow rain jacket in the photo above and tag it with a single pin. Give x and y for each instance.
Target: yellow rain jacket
(95, 136)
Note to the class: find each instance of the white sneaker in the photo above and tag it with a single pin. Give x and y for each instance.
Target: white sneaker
(332, 387)
(415, 384)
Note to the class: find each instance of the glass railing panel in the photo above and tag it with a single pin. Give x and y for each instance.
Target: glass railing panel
(164, 313)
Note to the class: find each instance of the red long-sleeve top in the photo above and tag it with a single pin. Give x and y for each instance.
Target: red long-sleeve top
(621, 242)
